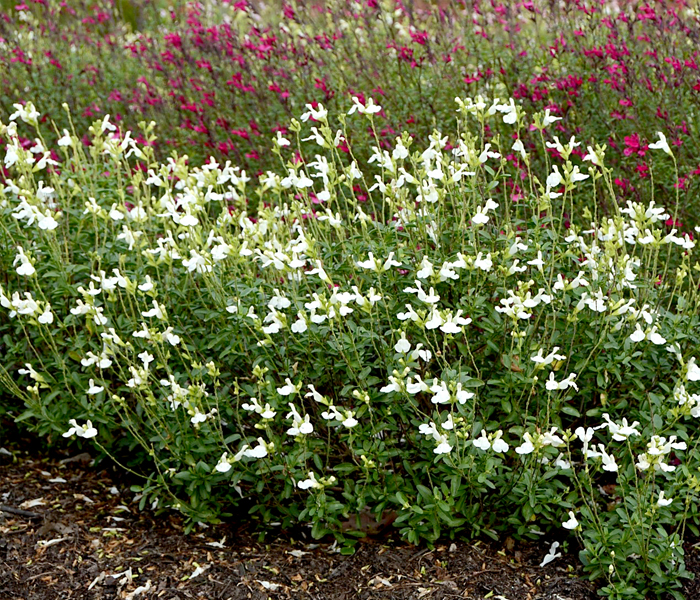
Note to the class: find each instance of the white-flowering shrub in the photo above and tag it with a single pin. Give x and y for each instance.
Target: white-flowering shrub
(440, 333)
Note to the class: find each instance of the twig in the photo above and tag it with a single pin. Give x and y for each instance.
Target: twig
(18, 511)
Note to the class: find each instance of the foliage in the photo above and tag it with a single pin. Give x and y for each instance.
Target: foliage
(472, 360)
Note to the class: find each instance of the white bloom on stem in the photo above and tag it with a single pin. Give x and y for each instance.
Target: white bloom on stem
(620, 432)
(319, 113)
(26, 268)
(260, 451)
(369, 108)
(403, 346)
(572, 523)
(46, 318)
(310, 483)
(94, 389)
(553, 385)
(493, 441)
(528, 445)
(300, 426)
(288, 389)
(548, 118)
(223, 466)
(692, 371)
(662, 144)
(663, 501)
(84, 431)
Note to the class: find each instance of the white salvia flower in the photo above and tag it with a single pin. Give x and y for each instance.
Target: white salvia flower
(84, 431)
(663, 501)
(66, 140)
(548, 118)
(27, 113)
(483, 263)
(692, 371)
(94, 389)
(482, 442)
(440, 391)
(300, 426)
(553, 385)
(260, 451)
(528, 445)
(593, 157)
(435, 319)
(638, 335)
(26, 268)
(453, 324)
(319, 113)
(280, 140)
(550, 556)
(426, 269)
(223, 466)
(549, 438)
(537, 262)
(310, 483)
(403, 346)
(519, 147)
(157, 311)
(547, 360)
(662, 144)
(350, 421)
(492, 441)
(46, 318)
(369, 108)
(620, 432)
(300, 325)
(572, 523)
(609, 463)
(146, 358)
(288, 389)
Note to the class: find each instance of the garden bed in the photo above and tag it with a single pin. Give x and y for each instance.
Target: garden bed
(89, 531)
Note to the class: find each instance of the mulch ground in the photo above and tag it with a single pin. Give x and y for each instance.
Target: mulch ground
(68, 530)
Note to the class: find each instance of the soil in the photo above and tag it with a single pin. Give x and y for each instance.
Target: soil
(70, 529)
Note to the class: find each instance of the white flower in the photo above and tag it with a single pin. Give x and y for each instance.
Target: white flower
(485, 263)
(553, 385)
(549, 118)
(26, 268)
(84, 431)
(440, 391)
(550, 556)
(282, 141)
(260, 451)
(493, 441)
(300, 325)
(528, 445)
(443, 447)
(663, 501)
(46, 318)
(693, 371)
(319, 113)
(300, 426)
(572, 523)
(223, 466)
(288, 389)
(482, 442)
(94, 389)
(662, 144)
(369, 108)
(311, 482)
(403, 346)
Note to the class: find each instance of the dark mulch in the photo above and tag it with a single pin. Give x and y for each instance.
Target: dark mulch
(89, 541)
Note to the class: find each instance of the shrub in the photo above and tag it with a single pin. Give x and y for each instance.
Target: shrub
(220, 78)
(465, 360)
